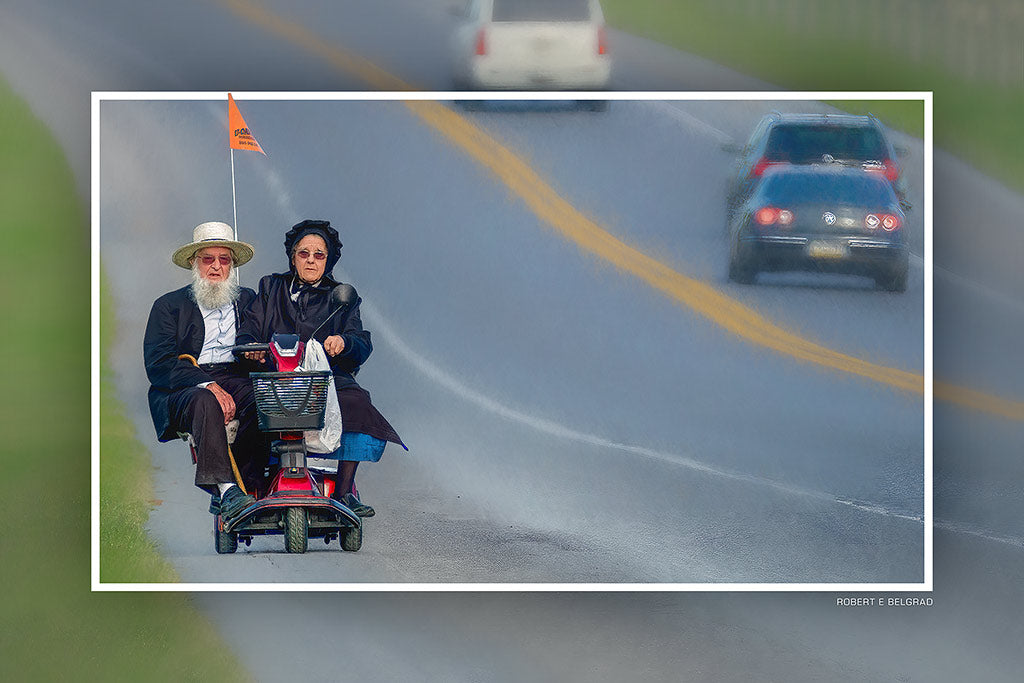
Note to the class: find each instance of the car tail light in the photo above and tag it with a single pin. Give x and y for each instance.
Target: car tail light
(892, 170)
(887, 221)
(766, 215)
(769, 215)
(889, 168)
(602, 41)
(481, 42)
(763, 164)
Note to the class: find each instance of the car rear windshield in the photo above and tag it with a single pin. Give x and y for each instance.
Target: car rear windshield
(541, 10)
(803, 144)
(860, 189)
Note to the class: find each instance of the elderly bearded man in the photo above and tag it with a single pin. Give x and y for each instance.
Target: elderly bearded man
(200, 320)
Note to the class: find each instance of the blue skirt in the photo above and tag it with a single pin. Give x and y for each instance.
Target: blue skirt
(358, 446)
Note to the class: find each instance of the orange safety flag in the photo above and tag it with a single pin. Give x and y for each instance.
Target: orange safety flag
(239, 136)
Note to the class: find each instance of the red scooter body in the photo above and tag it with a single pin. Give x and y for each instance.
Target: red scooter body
(298, 503)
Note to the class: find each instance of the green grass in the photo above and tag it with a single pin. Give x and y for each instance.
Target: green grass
(53, 626)
(907, 115)
(127, 554)
(976, 121)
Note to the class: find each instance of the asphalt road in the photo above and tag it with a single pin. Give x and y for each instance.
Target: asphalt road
(493, 407)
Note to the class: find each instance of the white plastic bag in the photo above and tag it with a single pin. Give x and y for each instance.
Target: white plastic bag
(327, 439)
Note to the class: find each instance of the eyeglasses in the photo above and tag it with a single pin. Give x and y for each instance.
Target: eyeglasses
(223, 259)
(304, 254)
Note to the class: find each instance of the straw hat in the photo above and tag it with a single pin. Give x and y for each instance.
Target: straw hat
(212, 234)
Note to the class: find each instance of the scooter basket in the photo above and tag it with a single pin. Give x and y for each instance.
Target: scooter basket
(290, 401)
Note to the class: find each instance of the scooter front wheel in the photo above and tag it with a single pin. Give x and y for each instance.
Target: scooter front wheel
(296, 530)
(225, 542)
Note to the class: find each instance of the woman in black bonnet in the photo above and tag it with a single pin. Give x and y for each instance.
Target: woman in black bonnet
(297, 302)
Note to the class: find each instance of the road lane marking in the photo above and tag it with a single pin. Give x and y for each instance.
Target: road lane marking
(981, 290)
(690, 121)
(299, 35)
(519, 177)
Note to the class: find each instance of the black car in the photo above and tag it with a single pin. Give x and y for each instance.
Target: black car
(825, 218)
(799, 139)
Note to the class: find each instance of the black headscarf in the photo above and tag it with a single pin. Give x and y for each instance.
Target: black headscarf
(314, 227)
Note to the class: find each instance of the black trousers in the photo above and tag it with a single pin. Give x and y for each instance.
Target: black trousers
(196, 410)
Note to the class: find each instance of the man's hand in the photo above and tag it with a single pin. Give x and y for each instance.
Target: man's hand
(255, 355)
(334, 345)
(227, 404)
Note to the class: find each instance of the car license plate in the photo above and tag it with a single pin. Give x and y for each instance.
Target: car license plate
(826, 250)
(544, 43)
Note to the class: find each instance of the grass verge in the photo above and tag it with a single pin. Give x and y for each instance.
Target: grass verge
(54, 627)
(973, 120)
(127, 554)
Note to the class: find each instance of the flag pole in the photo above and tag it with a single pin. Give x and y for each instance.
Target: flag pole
(234, 207)
(239, 137)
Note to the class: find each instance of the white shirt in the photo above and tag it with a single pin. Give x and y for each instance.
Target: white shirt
(220, 334)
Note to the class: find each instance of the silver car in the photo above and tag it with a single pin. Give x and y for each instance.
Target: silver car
(530, 45)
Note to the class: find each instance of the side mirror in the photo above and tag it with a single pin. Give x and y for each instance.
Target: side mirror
(732, 147)
(343, 295)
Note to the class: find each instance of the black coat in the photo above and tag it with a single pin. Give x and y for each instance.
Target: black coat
(176, 327)
(273, 311)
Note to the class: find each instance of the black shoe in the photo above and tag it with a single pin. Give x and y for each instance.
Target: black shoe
(357, 506)
(215, 504)
(233, 502)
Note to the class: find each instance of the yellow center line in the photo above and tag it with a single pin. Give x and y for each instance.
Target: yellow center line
(524, 182)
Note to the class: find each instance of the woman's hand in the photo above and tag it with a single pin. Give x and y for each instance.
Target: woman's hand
(334, 345)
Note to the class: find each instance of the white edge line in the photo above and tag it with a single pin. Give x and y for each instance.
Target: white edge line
(926, 585)
(690, 121)
(440, 378)
(977, 288)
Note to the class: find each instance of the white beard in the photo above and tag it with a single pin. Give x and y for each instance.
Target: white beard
(212, 295)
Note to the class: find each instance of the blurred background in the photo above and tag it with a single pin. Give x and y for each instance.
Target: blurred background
(970, 40)
(54, 54)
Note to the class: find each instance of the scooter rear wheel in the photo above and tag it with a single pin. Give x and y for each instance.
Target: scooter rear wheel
(296, 530)
(224, 542)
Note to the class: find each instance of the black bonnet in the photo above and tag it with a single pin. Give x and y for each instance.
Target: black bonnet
(315, 227)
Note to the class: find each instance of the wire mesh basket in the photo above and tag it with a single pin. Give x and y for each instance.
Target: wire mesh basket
(290, 401)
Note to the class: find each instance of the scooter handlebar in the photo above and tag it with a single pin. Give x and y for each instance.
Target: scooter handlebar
(245, 348)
